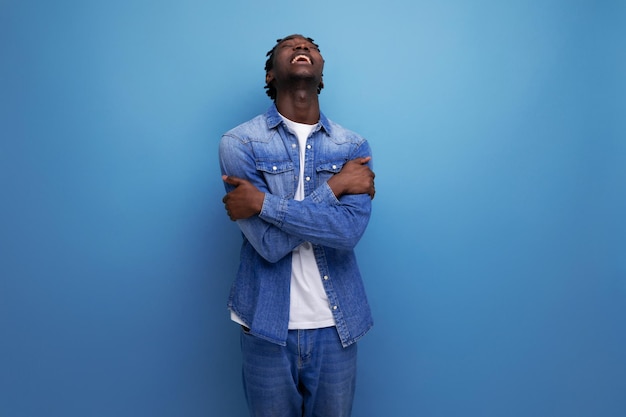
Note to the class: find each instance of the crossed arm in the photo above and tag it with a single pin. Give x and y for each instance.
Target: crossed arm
(333, 215)
(246, 200)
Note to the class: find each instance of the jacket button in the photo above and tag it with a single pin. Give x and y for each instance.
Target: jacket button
(325, 277)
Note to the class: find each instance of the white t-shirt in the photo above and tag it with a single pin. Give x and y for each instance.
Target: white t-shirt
(308, 308)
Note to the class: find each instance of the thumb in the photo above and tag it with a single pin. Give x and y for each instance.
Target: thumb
(231, 180)
(363, 160)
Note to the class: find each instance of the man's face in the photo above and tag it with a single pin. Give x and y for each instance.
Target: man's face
(296, 58)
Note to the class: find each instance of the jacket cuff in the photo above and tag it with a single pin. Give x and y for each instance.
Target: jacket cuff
(274, 209)
(324, 194)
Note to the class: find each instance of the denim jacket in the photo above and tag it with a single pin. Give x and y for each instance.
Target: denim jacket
(265, 152)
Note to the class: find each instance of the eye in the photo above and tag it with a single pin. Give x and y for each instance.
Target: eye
(290, 44)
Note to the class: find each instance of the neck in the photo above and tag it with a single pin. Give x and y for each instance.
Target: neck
(301, 106)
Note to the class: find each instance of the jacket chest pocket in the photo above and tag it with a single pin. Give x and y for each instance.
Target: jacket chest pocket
(279, 176)
(325, 170)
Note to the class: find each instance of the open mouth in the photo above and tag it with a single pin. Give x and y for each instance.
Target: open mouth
(301, 58)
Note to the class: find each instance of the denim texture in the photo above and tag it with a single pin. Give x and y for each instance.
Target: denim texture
(265, 152)
(312, 376)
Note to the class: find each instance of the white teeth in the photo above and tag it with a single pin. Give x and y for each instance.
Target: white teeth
(297, 58)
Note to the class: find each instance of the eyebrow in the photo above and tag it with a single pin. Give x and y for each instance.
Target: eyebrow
(308, 40)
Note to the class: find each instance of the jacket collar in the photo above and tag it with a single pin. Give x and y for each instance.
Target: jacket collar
(273, 119)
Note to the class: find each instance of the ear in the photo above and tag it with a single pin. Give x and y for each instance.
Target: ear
(269, 77)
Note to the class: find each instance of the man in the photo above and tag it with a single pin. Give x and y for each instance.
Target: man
(300, 188)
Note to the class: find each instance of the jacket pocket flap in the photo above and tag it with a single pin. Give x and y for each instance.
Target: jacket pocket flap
(274, 167)
(332, 166)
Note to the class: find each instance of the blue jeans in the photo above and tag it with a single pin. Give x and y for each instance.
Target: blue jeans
(312, 376)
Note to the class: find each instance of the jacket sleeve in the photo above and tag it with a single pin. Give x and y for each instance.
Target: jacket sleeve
(237, 159)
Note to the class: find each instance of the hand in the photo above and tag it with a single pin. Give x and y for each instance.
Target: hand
(244, 201)
(355, 177)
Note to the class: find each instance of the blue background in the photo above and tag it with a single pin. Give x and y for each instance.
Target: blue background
(495, 260)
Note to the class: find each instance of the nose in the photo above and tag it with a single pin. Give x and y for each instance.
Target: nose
(301, 46)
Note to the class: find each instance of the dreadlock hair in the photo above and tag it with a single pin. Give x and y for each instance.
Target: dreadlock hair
(269, 64)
